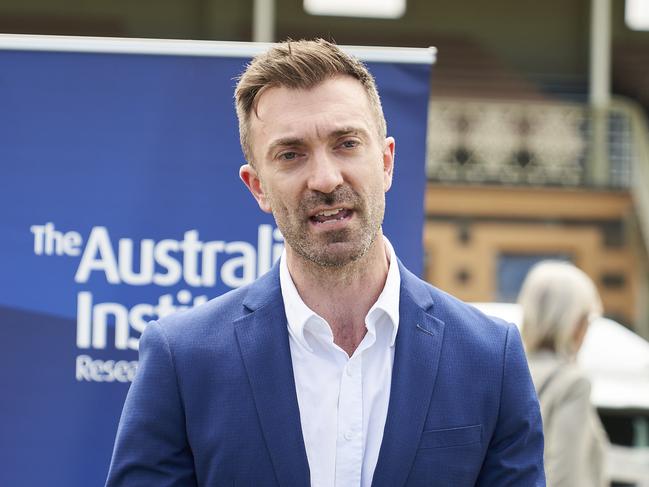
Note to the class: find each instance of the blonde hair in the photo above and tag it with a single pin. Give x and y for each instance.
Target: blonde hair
(555, 297)
(299, 65)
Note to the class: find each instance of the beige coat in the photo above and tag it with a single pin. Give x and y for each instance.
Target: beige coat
(575, 441)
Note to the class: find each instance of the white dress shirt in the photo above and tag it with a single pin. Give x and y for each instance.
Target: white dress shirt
(343, 400)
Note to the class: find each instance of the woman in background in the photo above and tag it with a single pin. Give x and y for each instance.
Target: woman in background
(558, 302)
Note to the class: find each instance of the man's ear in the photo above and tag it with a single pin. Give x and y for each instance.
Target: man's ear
(250, 178)
(388, 162)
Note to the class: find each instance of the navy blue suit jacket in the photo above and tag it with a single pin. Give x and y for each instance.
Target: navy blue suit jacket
(214, 401)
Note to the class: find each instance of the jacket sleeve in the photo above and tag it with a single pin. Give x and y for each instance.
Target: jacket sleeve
(151, 448)
(515, 453)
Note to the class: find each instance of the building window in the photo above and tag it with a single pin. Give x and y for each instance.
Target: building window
(512, 269)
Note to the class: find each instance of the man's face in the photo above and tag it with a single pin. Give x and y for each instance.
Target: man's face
(320, 168)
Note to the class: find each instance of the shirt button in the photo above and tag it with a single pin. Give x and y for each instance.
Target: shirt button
(349, 435)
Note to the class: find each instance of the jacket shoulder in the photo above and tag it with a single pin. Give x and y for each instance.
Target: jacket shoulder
(462, 321)
(216, 317)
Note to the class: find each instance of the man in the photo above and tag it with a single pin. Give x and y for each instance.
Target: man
(338, 367)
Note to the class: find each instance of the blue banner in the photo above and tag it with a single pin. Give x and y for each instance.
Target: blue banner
(119, 203)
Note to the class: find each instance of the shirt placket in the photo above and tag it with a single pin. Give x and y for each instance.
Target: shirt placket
(349, 451)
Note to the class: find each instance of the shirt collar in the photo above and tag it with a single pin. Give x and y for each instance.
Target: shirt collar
(388, 300)
(298, 314)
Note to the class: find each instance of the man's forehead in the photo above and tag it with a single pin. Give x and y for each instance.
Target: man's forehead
(272, 136)
(342, 98)
(302, 114)
(330, 90)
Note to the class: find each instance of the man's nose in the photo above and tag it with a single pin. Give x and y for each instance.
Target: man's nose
(325, 175)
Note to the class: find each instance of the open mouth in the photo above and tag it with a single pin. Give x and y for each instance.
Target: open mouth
(331, 216)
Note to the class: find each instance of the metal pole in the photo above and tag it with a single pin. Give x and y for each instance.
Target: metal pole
(263, 21)
(600, 53)
(600, 88)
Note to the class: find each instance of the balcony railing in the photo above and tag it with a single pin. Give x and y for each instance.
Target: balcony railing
(531, 143)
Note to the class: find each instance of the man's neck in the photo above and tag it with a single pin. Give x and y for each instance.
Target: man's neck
(342, 295)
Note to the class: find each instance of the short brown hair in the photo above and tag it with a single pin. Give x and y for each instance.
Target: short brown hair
(298, 65)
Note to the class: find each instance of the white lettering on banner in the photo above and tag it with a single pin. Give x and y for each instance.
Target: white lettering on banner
(93, 319)
(98, 243)
(173, 268)
(89, 370)
(164, 263)
(49, 241)
(241, 261)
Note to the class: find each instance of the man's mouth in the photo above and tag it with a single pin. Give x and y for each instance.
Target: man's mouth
(331, 215)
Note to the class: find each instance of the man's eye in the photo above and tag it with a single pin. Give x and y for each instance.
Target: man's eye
(288, 156)
(349, 144)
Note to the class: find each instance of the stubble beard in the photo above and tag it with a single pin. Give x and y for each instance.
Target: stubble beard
(335, 248)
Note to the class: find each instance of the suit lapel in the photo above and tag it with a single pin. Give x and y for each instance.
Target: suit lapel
(416, 360)
(263, 341)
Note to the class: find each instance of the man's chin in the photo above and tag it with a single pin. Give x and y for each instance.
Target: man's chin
(336, 254)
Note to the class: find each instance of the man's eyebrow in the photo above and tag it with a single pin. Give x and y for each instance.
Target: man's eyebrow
(347, 131)
(286, 141)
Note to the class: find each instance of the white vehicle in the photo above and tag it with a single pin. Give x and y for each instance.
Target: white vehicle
(617, 362)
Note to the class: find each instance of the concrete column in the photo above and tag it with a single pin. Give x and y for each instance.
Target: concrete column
(600, 89)
(263, 21)
(600, 53)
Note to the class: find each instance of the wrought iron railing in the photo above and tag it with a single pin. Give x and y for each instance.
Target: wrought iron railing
(531, 143)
